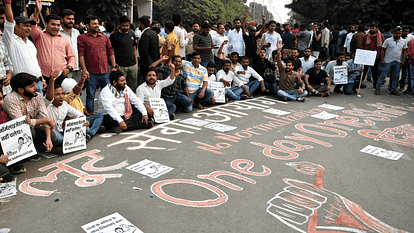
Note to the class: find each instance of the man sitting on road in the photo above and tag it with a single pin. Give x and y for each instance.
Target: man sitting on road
(233, 86)
(354, 77)
(244, 72)
(340, 61)
(122, 109)
(317, 80)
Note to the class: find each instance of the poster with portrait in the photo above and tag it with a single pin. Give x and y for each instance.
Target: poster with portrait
(113, 223)
(219, 91)
(160, 110)
(340, 75)
(74, 137)
(16, 140)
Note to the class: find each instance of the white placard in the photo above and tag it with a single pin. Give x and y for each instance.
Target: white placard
(74, 137)
(340, 75)
(324, 115)
(220, 127)
(276, 111)
(365, 57)
(8, 189)
(111, 224)
(16, 140)
(149, 168)
(160, 110)
(330, 106)
(219, 91)
(195, 122)
(388, 154)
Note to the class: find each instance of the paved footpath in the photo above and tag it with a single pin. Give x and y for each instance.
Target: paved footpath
(276, 167)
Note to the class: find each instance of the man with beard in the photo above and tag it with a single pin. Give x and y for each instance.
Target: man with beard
(297, 64)
(25, 101)
(288, 80)
(307, 61)
(271, 39)
(68, 20)
(195, 27)
(122, 109)
(221, 42)
(260, 64)
(22, 51)
(94, 50)
(172, 94)
(393, 50)
(244, 72)
(53, 50)
(317, 80)
(340, 61)
(125, 48)
(233, 86)
(148, 45)
(203, 44)
(373, 42)
(152, 88)
(235, 36)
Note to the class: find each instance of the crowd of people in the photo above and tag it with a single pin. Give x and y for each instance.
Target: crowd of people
(44, 70)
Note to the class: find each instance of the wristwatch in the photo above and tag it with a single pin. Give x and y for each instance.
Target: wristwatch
(115, 67)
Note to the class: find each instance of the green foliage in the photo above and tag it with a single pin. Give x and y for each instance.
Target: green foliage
(342, 12)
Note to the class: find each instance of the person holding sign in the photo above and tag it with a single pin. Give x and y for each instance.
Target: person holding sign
(152, 88)
(317, 80)
(122, 109)
(233, 86)
(24, 100)
(330, 69)
(373, 41)
(5, 175)
(354, 77)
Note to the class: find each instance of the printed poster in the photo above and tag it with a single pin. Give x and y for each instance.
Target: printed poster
(74, 138)
(340, 75)
(388, 154)
(16, 140)
(219, 91)
(324, 115)
(149, 168)
(365, 57)
(276, 112)
(8, 189)
(330, 106)
(220, 127)
(113, 223)
(195, 122)
(160, 110)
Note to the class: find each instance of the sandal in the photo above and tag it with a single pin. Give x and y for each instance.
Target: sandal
(18, 169)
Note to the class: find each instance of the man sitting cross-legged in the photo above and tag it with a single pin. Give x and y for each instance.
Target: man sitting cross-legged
(233, 86)
(121, 107)
(317, 80)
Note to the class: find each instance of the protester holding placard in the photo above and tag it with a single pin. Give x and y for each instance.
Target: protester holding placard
(24, 100)
(354, 77)
(5, 175)
(233, 86)
(330, 69)
(121, 107)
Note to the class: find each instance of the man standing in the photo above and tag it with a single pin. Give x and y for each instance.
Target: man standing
(347, 44)
(373, 42)
(392, 53)
(316, 40)
(94, 50)
(125, 48)
(325, 40)
(288, 40)
(68, 20)
(271, 39)
(122, 109)
(357, 39)
(197, 80)
(53, 50)
(235, 36)
(22, 51)
(176, 18)
(304, 38)
(195, 27)
(317, 80)
(233, 86)
(148, 46)
(203, 44)
(221, 41)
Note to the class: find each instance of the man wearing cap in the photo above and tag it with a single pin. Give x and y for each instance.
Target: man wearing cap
(22, 51)
(288, 40)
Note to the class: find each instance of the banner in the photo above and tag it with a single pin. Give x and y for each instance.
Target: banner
(340, 75)
(160, 110)
(74, 138)
(16, 140)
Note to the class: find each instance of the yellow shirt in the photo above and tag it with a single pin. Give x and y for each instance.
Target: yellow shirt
(74, 100)
(172, 39)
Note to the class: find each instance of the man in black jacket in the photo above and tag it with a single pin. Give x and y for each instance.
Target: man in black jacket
(148, 45)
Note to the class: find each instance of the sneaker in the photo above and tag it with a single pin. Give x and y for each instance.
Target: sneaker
(377, 92)
(88, 137)
(326, 94)
(243, 96)
(300, 99)
(317, 93)
(250, 97)
(101, 129)
(35, 158)
(172, 117)
(117, 130)
(18, 169)
(395, 93)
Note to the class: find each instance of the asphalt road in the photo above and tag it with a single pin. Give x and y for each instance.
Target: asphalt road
(273, 173)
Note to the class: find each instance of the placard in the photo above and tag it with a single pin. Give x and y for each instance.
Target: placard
(388, 154)
(220, 127)
(195, 122)
(74, 137)
(330, 106)
(276, 111)
(8, 189)
(219, 91)
(324, 115)
(111, 224)
(160, 110)
(340, 75)
(16, 140)
(149, 168)
(365, 57)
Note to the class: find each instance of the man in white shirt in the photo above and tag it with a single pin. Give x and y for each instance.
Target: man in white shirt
(235, 37)
(244, 72)
(121, 107)
(152, 89)
(233, 86)
(307, 61)
(340, 61)
(271, 39)
(347, 44)
(220, 42)
(182, 42)
(22, 51)
(66, 29)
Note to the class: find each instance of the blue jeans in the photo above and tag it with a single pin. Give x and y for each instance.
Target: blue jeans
(394, 69)
(412, 76)
(95, 121)
(234, 93)
(290, 95)
(207, 96)
(204, 63)
(252, 86)
(180, 99)
(348, 88)
(91, 85)
(334, 49)
(271, 83)
(404, 75)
